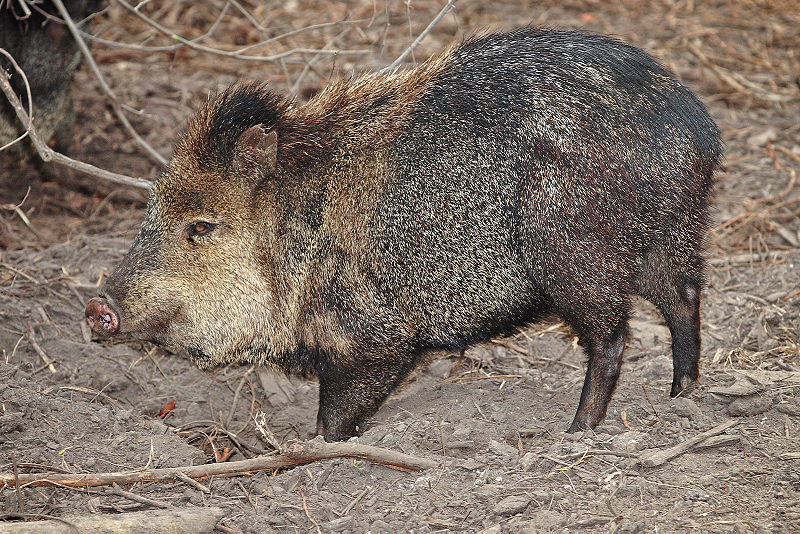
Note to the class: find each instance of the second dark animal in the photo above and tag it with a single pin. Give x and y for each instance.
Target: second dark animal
(513, 176)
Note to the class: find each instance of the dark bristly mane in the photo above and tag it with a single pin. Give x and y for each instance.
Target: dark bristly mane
(213, 133)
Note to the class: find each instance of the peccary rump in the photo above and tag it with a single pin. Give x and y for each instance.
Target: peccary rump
(515, 175)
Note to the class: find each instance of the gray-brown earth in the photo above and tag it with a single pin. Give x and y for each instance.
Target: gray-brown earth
(508, 465)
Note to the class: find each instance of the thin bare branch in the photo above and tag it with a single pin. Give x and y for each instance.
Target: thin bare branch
(299, 30)
(167, 48)
(247, 15)
(143, 48)
(114, 102)
(228, 53)
(419, 39)
(48, 154)
(26, 12)
(27, 92)
(310, 63)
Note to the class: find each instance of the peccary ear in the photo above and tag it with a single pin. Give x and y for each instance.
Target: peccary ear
(256, 152)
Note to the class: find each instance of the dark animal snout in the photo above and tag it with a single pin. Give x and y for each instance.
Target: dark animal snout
(101, 317)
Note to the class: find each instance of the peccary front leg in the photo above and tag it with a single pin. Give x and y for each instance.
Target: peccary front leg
(349, 392)
(605, 360)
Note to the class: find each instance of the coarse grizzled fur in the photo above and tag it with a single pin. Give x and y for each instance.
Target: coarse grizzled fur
(48, 55)
(513, 176)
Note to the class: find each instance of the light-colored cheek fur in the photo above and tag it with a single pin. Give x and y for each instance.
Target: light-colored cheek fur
(230, 317)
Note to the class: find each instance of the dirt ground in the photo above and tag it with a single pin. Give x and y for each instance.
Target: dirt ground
(496, 419)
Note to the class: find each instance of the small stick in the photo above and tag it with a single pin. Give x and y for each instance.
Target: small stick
(81, 389)
(660, 457)
(27, 92)
(297, 453)
(114, 102)
(650, 402)
(20, 508)
(192, 482)
(738, 259)
(418, 40)
(48, 154)
(790, 295)
(21, 273)
(305, 509)
(116, 490)
(236, 397)
(42, 354)
(597, 452)
(787, 152)
(354, 502)
(476, 378)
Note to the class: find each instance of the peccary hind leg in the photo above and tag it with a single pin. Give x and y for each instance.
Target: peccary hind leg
(677, 296)
(602, 372)
(683, 321)
(350, 392)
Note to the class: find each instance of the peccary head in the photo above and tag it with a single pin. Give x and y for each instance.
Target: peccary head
(197, 275)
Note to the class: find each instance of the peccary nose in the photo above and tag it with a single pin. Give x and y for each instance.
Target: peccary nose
(101, 317)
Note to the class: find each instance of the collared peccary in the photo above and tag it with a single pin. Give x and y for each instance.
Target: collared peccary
(516, 175)
(48, 55)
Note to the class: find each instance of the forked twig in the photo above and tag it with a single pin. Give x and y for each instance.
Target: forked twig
(228, 53)
(27, 92)
(418, 40)
(662, 456)
(48, 154)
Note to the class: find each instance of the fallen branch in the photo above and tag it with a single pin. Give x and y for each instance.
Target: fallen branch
(296, 453)
(662, 456)
(48, 154)
(42, 354)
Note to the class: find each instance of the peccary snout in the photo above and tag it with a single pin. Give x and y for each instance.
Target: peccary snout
(101, 317)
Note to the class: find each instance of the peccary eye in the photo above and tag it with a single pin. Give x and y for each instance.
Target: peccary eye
(199, 228)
